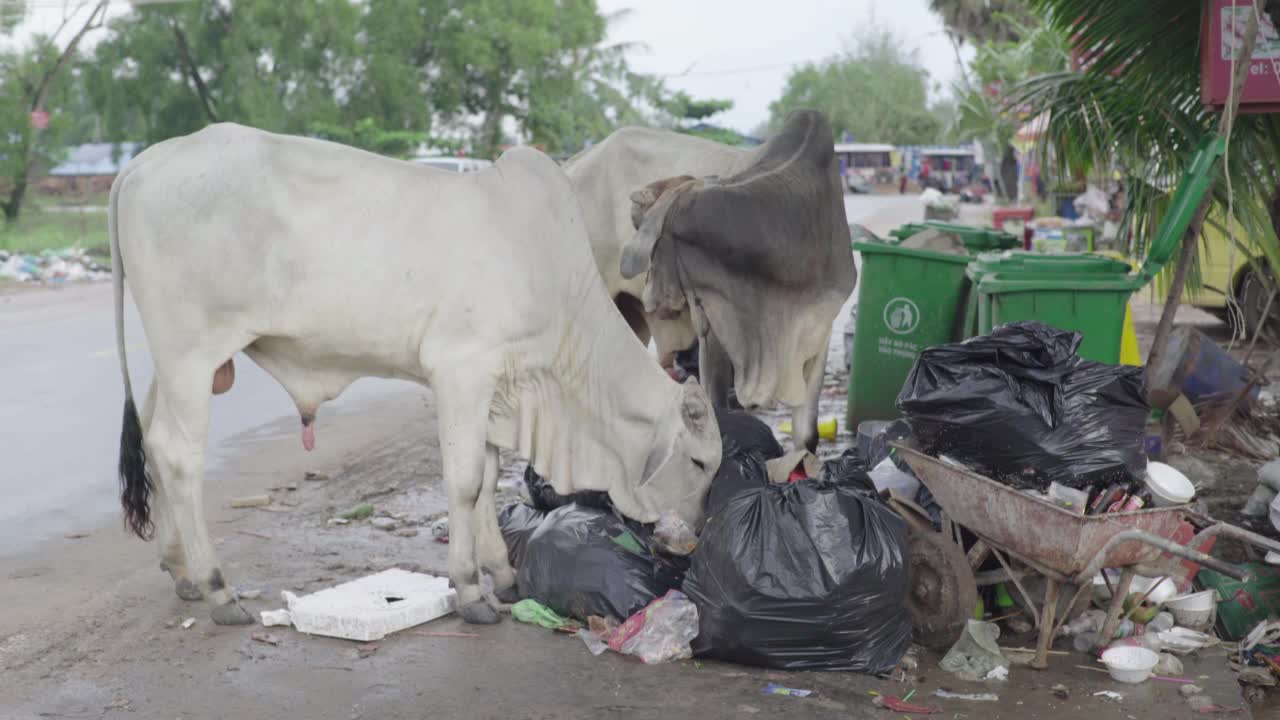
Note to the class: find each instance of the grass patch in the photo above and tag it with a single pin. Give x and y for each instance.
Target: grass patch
(42, 228)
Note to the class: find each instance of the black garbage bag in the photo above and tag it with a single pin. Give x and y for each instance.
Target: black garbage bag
(810, 575)
(742, 471)
(1020, 406)
(517, 522)
(584, 561)
(741, 430)
(545, 498)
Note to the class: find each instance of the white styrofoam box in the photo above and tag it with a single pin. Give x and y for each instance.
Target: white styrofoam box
(373, 607)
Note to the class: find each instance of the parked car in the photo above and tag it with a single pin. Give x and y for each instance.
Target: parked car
(1219, 276)
(453, 164)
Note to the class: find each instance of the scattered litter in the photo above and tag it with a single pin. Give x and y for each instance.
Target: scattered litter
(998, 673)
(364, 650)
(1168, 665)
(894, 704)
(374, 606)
(1205, 705)
(533, 612)
(186, 624)
(1109, 694)
(359, 512)
(251, 501)
(1129, 664)
(271, 618)
(976, 655)
(338, 521)
(775, 689)
(251, 533)
(440, 528)
(248, 594)
(1189, 690)
(53, 267)
(406, 532)
(975, 697)
(315, 477)
(265, 638)
(1181, 641)
(1061, 692)
(659, 633)
(1260, 676)
(384, 523)
(592, 641)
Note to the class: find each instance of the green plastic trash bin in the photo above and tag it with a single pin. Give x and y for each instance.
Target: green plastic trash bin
(975, 239)
(1082, 293)
(907, 301)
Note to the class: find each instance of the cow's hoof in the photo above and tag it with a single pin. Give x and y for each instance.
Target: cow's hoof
(231, 613)
(479, 613)
(508, 596)
(187, 590)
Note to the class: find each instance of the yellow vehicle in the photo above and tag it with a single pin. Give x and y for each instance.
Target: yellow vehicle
(1220, 276)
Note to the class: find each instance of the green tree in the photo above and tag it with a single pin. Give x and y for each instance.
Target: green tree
(875, 90)
(983, 21)
(34, 81)
(170, 69)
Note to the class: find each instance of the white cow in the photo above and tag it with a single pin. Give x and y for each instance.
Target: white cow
(325, 264)
(758, 248)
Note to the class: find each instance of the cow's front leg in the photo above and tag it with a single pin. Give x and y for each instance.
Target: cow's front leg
(804, 419)
(715, 369)
(463, 411)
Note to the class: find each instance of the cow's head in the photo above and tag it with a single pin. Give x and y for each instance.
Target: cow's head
(681, 463)
(762, 257)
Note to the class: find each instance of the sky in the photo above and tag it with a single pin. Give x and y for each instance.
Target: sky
(736, 49)
(743, 49)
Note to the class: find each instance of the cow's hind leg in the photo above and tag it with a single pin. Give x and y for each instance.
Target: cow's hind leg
(463, 412)
(173, 559)
(176, 440)
(491, 548)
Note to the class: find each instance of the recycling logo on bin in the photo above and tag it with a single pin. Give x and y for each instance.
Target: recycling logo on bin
(901, 315)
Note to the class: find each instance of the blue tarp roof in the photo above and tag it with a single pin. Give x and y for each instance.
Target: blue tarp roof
(97, 159)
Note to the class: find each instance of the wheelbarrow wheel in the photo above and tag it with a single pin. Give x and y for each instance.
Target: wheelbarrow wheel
(942, 592)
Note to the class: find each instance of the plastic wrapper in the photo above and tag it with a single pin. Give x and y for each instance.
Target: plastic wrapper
(661, 632)
(584, 561)
(810, 575)
(517, 522)
(1020, 406)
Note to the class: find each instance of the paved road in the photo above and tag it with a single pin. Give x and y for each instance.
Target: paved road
(60, 418)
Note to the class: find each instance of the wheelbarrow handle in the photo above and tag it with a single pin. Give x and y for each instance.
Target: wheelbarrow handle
(1167, 545)
(1237, 533)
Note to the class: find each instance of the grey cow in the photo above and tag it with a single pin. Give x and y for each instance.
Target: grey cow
(746, 251)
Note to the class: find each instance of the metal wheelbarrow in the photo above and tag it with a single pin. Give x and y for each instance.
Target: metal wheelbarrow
(1065, 548)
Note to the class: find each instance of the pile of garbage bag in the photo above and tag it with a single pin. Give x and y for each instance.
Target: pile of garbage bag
(70, 265)
(1021, 406)
(806, 574)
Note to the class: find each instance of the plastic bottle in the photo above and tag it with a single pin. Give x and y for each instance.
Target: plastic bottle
(1161, 622)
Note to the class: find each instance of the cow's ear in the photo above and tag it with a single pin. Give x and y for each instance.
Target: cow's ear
(695, 408)
(637, 253)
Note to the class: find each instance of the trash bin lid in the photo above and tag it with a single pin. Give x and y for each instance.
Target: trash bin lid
(879, 248)
(1186, 199)
(1067, 265)
(975, 239)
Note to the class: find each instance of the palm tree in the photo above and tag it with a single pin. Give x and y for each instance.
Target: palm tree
(1137, 106)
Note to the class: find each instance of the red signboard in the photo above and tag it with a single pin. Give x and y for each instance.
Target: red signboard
(1221, 37)
(40, 119)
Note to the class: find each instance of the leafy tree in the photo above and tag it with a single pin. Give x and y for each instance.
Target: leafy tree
(983, 21)
(36, 80)
(684, 108)
(367, 135)
(875, 90)
(984, 112)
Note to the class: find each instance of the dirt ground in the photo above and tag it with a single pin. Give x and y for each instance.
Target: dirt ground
(92, 628)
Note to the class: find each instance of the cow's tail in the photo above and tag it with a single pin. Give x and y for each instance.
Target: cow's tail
(135, 483)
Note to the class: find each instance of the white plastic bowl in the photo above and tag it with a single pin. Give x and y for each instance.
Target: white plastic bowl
(1130, 664)
(1168, 486)
(1193, 610)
